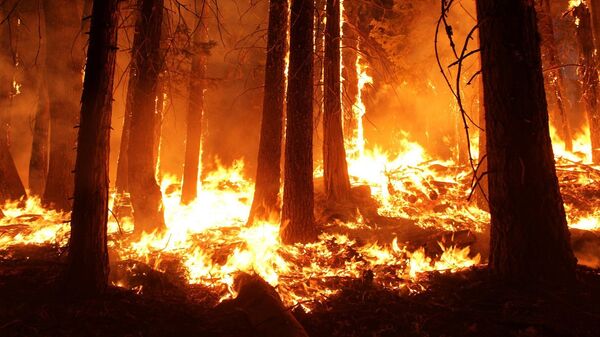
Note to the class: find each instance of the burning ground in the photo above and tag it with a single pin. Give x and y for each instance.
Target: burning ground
(393, 269)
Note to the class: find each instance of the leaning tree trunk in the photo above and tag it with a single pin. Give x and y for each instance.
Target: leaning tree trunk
(298, 223)
(38, 162)
(268, 173)
(590, 76)
(11, 187)
(554, 80)
(195, 112)
(87, 267)
(146, 197)
(337, 182)
(64, 64)
(529, 234)
(121, 182)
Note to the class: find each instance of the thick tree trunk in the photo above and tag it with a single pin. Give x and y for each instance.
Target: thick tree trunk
(38, 163)
(554, 80)
(193, 141)
(11, 187)
(337, 182)
(594, 6)
(146, 196)
(64, 65)
(297, 223)
(122, 181)
(87, 267)
(589, 76)
(529, 235)
(268, 172)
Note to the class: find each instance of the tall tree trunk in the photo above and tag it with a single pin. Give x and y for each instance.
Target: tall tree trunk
(337, 182)
(268, 172)
(38, 163)
(121, 183)
(195, 112)
(350, 44)
(146, 196)
(554, 80)
(481, 190)
(64, 64)
(529, 234)
(590, 76)
(594, 6)
(11, 187)
(87, 266)
(298, 223)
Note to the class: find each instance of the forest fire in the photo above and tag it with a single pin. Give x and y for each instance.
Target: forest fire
(299, 167)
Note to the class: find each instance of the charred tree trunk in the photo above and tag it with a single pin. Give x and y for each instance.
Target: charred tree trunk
(11, 187)
(350, 88)
(146, 197)
(529, 234)
(121, 183)
(38, 163)
(193, 141)
(481, 190)
(553, 79)
(87, 266)
(298, 220)
(268, 172)
(64, 64)
(589, 76)
(337, 182)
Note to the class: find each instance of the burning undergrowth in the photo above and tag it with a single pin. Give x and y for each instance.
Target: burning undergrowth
(415, 217)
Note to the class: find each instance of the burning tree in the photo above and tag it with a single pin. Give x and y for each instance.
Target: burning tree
(146, 197)
(298, 220)
(87, 268)
(268, 172)
(529, 235)
(201, 49)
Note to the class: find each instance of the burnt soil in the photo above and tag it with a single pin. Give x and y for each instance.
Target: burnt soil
(468, 303)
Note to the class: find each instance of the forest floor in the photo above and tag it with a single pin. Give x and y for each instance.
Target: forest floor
(467, 303)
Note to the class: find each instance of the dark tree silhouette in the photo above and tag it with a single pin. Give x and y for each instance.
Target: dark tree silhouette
(146, 196)
(268, 172)
(337, 182)
(11, 187)
(38, 162)
(554, 79)
(297, 220)
(529, 234)
(589, 72)
(87, 267)
(201, 47)
(64, 64)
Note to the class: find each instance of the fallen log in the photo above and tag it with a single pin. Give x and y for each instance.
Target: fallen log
(263, 307)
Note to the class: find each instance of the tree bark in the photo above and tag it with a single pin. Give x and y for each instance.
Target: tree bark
(122, 181)
(529, 235)
(481, 191)
(11, 187)
(350, 46)
(589, 73)
(87, 265)
(146, 196)
(38, 163)
(337, 182)
(64, 65)
(195, 113)
(268, 172)
(297, 223)
(554, 80)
